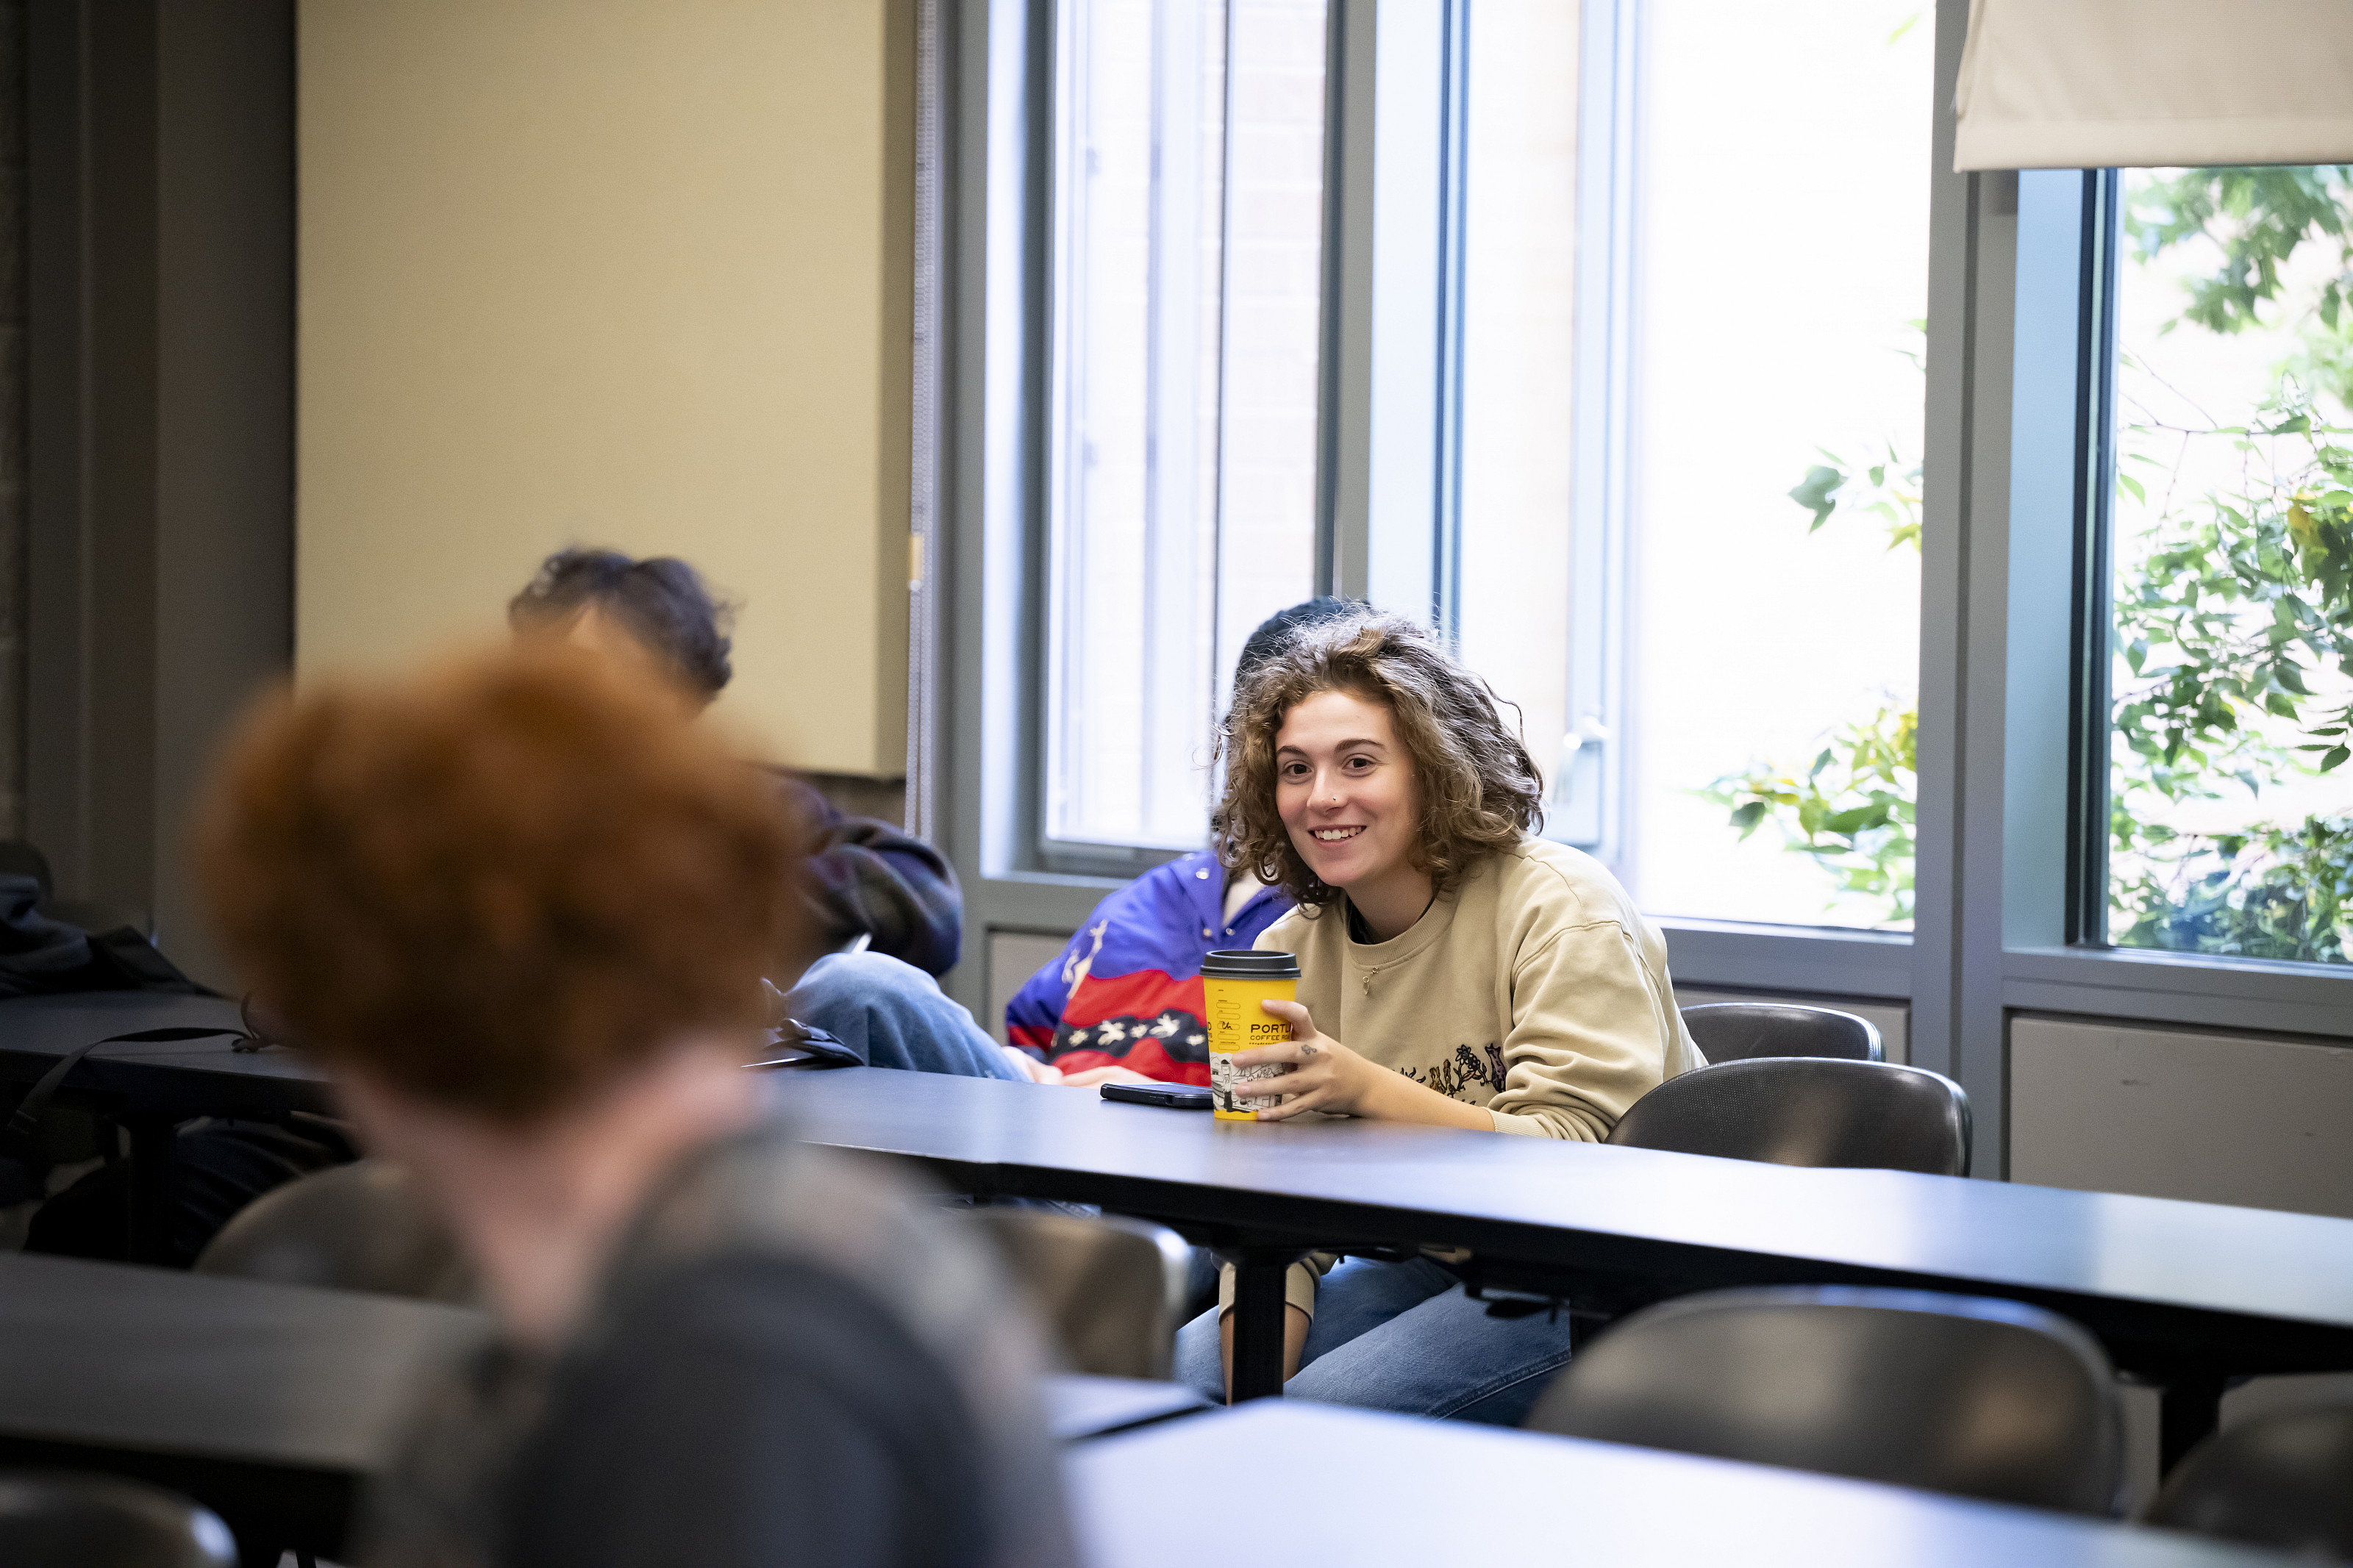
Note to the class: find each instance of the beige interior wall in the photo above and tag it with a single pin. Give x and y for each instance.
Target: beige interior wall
(622, 273)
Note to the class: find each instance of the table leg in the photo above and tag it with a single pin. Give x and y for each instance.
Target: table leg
(2188, 1411)
(151, 1142)
(1259, 1321)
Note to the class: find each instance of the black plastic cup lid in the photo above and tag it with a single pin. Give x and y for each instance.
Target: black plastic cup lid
(1250, 964)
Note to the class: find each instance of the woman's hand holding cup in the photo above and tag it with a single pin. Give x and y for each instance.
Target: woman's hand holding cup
(1324, 1075)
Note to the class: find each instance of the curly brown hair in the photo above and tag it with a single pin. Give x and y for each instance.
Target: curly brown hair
(498, 885)
(1476, 788)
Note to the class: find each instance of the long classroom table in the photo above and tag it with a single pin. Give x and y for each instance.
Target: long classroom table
(2183, 1295)
(272, 1405)
(1349, 1486)
(275, 1406)
(149, 1086)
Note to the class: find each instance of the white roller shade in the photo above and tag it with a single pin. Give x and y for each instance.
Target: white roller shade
(2089, 84)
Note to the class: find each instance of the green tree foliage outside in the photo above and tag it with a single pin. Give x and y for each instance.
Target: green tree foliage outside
(2233, 611)
(2234, 622)
(1850, 808)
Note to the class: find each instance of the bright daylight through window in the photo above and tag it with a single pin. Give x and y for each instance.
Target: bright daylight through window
(1186, 284)
(1716, 657)
(2231, 803)
(1774, 495)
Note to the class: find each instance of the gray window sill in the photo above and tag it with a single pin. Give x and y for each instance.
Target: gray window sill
(2255, 994)
(1815, 959)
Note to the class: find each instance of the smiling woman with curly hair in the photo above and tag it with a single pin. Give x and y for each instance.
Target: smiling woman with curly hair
(1477, 788)
(1483, 977)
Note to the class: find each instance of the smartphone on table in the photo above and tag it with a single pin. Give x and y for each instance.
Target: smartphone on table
(1175, 1096)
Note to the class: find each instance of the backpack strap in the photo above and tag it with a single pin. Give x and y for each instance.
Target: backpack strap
(36, 1103)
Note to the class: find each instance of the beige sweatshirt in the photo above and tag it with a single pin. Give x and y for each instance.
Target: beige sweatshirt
(1535, 990)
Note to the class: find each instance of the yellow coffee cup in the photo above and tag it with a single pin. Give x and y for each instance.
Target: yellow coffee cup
(1233, 983)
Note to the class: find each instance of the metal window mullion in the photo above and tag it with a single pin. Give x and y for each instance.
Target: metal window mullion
(1946, 497)
(1453, 180)
(1590, 778)
(1221, 371)
(1343, 372)
(2093, 633)
(1064, 534)
(926, 392)
(1172, 398)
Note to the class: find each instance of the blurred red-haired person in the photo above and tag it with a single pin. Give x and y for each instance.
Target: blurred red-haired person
(521, 908)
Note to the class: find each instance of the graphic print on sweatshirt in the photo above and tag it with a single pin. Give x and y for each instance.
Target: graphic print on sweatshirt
(1479, 1071)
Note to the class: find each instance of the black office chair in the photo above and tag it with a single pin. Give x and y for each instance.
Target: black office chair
(1952, 1394)
(1109, 1291)
(353, 1227)
(1808, 1110)
(1736, 1031)
(2282, 1481)
(56, 1519)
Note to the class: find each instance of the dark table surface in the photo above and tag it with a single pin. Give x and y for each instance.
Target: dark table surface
(170, 1078)
(270, 1404)
(2171, 1287)
(1079, 1408)
(150, 1087)
(1353, 1487)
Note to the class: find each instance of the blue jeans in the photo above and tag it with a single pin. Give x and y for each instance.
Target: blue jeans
(1402, 1337)
(894, 1016)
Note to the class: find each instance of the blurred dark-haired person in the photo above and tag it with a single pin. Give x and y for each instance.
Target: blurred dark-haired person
(866, 877)
(520, 908)
(1456, 970)
(886, 909)
(1123, 999)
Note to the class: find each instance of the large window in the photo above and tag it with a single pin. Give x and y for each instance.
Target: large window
(2231, 591)
(1826, 514)
(1186, 288)
(1646, 419)
(1690, 439)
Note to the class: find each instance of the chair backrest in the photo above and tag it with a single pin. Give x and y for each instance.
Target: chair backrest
(54, 1519)
(353, 1227)
(1808, 1110)
(1736, 1031)
(1111, 1291)
(2284, 1479)
(1953, 1393)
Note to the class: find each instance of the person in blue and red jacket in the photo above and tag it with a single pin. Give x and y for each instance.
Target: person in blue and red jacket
(1126, 993)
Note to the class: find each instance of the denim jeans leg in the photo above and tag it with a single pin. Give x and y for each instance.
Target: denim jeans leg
(1356, 1298)
(894, 1016)
(1443, 1357)
(1360, 1295)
